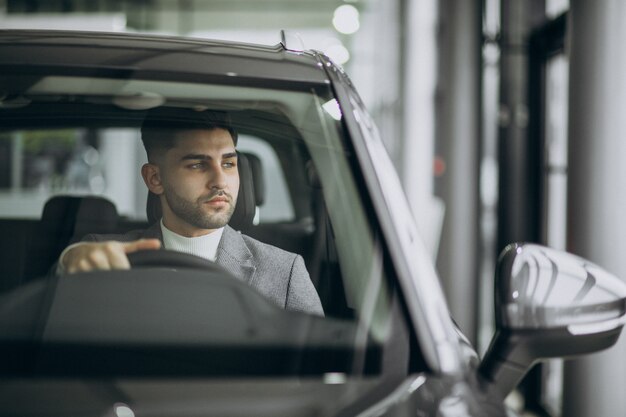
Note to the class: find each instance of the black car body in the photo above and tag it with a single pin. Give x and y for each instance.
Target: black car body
(185, 340)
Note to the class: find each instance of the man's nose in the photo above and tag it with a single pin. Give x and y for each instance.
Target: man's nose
(217, 179)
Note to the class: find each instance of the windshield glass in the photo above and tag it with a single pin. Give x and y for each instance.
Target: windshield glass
(296, 282)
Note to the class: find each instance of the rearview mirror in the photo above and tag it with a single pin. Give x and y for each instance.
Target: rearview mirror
(549, 304)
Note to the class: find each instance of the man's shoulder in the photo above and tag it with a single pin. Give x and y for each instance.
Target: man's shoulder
(266, 248)
(261, 249)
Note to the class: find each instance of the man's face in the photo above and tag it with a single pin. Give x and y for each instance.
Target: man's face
(200, 182)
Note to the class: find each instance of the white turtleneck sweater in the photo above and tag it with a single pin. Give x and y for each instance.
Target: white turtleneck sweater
(203, 246)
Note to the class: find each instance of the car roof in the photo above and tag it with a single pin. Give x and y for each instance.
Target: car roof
(141, 53)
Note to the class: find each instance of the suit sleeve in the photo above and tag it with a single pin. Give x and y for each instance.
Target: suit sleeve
(301, 294)
(57, 268)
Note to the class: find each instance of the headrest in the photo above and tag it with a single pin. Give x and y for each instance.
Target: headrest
(257, 174)
(72, 217)
(66, 219)
(246, 202)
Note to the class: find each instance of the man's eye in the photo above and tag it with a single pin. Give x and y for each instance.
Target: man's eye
(198, 165)
(229, 164)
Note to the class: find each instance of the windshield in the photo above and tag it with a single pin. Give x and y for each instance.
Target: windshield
(312, 297)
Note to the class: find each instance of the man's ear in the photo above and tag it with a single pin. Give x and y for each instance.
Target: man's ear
(152, 178)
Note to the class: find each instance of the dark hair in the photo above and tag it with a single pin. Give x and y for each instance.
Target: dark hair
(159, 127)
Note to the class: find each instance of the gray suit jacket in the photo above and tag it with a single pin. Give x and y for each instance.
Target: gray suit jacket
(279, 275)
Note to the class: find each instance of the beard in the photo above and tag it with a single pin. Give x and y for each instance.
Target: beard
(195, 212)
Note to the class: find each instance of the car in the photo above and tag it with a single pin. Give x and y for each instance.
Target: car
(179, 335)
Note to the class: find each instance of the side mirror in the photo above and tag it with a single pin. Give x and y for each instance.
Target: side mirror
(549, 304)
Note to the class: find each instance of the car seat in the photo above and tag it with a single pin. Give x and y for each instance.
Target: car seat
(65, 220)
(322, 261)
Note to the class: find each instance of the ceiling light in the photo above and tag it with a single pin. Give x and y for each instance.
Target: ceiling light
(346, 19)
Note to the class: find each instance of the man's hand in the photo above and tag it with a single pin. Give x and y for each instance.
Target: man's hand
(88, 256)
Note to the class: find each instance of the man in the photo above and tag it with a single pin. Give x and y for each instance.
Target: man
(192, 168)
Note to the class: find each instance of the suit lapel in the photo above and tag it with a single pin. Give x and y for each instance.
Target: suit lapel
(234, 256)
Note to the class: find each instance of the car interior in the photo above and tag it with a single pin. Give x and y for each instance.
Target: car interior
(31, 246)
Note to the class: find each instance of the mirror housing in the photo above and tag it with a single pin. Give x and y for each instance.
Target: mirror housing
(549, 304)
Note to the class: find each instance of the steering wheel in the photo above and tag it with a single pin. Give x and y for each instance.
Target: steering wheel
(171, 259)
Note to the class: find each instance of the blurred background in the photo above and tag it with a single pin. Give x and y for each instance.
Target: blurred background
(504, 119)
